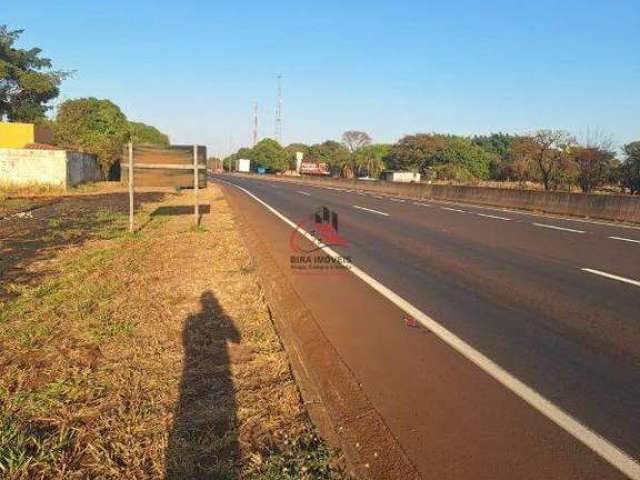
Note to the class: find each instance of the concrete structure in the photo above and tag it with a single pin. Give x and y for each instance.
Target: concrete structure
(243, 165)
(404, 177)
(55, 167)
(17, 135)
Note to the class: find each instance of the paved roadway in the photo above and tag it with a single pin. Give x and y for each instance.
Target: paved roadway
(555, 302)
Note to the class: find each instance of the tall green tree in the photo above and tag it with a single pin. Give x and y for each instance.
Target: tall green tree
(415, 152)
(142, 133)
(629, 171)
(93, 126)
(269, 154)
(461, 160)
(499, 145)
(333, 154)
(370, 160)
(27, 80)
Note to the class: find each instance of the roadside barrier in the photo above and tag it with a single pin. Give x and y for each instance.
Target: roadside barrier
(623, 208)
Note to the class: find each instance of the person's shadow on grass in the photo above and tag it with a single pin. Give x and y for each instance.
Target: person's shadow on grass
(203, 440)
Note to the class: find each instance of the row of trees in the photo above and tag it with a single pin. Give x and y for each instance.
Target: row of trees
(28, 83)
(354, 156)
(551, 157)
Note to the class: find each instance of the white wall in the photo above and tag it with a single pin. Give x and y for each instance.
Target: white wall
(56, 167)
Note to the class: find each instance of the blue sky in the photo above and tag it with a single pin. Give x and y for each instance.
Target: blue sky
(194, 68)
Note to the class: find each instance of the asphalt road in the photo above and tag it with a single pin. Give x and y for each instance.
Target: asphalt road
(554, 302)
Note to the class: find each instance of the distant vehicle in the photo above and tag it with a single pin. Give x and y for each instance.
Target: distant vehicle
(405, 177)
(312, 168)
(243, 165)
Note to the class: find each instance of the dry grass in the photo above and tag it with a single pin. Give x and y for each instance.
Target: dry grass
(148, 355)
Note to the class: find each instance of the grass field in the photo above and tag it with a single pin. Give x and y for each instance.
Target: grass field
(144, 355)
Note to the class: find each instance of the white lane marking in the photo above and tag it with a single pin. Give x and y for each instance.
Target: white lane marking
(397, 200)
(378, 197)
(497, 217)
(421, 204)
(555, 227)
(600, 445)
(304, 193)
(453, 209)
(612, 276)
(625, 239)
(371, 210)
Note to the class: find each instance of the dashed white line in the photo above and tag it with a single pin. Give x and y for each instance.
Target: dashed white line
(378, 197)
(371, 210)
(453, 209)
(625, 239)
(612, 276)
(304, 193)
(397, 200)
(497, 217)
(555, 227)
(600, 445)
(421, 204)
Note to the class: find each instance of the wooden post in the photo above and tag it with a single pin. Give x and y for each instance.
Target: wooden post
(130, 187)
(196, 209)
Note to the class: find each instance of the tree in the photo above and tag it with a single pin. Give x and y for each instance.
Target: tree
(292, 149)
(333, 154)
(27, 81)
(594, 166)
(355, 140)
(370, 160)
(547, 150)
(499, 145)
(93, 126)
(629, 171)
(142, 133)
(461, 160)
(415, 152)
(269, 154)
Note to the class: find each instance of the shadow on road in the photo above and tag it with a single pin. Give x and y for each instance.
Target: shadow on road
(203, 439)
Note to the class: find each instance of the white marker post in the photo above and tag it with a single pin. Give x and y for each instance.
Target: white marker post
(196, 209)
(130, 187)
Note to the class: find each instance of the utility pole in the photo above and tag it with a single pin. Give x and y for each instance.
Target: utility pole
(278, 129)
(255, 123)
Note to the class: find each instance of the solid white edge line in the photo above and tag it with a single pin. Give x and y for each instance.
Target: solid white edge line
(601, 446)
(497, 217)
(370, 210)
(555, 227)
(625, 239)
(611, 276)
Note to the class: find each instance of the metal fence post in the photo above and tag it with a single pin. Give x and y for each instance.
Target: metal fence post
(130, 187)
(196, 181)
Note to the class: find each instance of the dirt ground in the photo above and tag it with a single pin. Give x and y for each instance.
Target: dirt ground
(144, 355)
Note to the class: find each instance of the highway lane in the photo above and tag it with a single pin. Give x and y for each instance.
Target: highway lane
(514, 289)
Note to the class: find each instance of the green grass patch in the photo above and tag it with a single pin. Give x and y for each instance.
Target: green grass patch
(304, 457)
